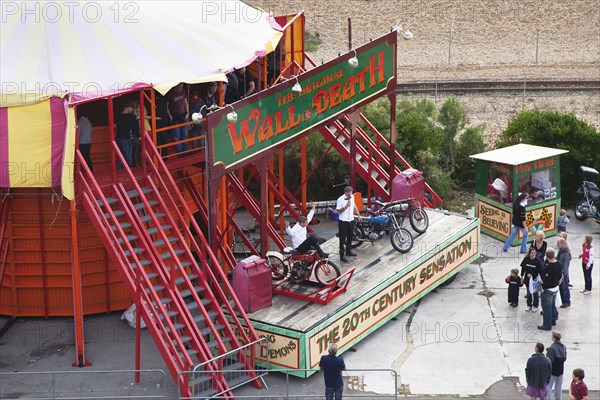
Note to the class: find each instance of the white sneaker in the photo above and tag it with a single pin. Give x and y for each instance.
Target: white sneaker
(528, 309)
(534, 309)
(587, 292)
(582, 291)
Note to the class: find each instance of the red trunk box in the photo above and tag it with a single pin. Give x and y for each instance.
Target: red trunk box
(252, 283)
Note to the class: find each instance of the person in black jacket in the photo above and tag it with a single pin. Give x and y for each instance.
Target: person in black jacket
(519, 221)
(514, 283)
(531, 267)
(537, 373)
(557, 353)
(551, 276)
(128, 128)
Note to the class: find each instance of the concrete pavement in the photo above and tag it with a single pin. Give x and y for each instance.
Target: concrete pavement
(460, 340)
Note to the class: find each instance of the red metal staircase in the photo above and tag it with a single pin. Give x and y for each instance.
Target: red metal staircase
(174, 278)
(372, 160)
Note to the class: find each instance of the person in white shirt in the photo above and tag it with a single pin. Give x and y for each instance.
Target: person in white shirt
(300, 241)
(346, 208)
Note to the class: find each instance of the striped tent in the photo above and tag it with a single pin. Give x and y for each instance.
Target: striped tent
(92, 49)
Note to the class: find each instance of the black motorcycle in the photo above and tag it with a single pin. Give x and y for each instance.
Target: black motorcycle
(374, 228)
(589, 206)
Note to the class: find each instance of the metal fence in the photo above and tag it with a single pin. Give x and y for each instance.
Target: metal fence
(83, 385)
(281, 385)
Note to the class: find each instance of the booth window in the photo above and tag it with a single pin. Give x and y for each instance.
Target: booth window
(499, 187)
(539, 185)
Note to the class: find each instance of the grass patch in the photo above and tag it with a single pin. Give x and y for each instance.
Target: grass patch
(312, 41)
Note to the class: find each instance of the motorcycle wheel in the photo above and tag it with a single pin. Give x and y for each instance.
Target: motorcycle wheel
(358, 236)
(401, 240)
(578, 214)
(326, 271)
(419, 220)
(279, 269)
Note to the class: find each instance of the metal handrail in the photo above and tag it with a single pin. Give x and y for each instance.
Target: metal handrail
(257, 373)
(269, 394)
(160, 385)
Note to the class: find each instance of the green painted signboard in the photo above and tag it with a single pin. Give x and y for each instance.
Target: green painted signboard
(282, 114)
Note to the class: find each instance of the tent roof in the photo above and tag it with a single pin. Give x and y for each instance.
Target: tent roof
(518, 154)
(94, 49)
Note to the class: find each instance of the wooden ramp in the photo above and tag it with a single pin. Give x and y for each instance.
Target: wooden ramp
(385, 283)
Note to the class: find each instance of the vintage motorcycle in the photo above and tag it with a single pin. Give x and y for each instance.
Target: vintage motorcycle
(416, 214)
(589, 206)
(300, 266)
(375, 227)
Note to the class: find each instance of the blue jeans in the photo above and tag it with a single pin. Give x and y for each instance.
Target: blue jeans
(180, 133)
(330, 392)
(549, 308)
(513, 235)
(533, 299)
(126, 147)
(555, 381)
(563, 289)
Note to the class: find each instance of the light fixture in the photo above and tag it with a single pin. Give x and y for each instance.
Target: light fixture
(232, 116)
(197, 117)
(407, 35)
(353, 61)
(297, 88)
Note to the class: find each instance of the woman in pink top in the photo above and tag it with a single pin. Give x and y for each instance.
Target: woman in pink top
(587, 263)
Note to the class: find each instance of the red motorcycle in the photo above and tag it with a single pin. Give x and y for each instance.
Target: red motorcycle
(299, 267)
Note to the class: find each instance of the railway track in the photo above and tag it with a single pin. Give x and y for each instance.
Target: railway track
(499, 87)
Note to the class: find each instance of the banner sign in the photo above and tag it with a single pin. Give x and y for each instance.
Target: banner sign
(390, 300)
(283, 113)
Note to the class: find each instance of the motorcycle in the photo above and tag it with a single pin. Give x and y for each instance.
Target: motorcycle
(589, 206)
(374, 228)
(300, 266)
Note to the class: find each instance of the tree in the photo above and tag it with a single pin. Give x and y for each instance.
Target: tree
(470, 142)
(557, 130)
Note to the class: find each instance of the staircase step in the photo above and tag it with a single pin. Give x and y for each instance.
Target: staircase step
(213, 343)
(176, 325)
(170, 314)
(143, 262)
(109, 200)
(153, 230)
(166, 255)
(142, 206)
(200, 318)
(191, 352)
(200, 382)
(134, 192)
(136, 250)
(157, 288)
(118, 213)
(180, 280)
(124, 226)
(160, 242)
(187, 292)
(239, 380)
(207, 331)
(184, 339)
(163, 300)
(130, 238)
(151, 275)
(233, 366)
(194, 306)
(148, 218)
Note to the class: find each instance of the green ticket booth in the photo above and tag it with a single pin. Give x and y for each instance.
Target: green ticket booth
(502, 174)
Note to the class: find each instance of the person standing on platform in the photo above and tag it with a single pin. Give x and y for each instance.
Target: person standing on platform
(178, 109)
(557, 353)
(85, 139)
(300, 241)
(346, 208)
(519, 221)
(332, 367)
(537, 374)
(128, 128)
